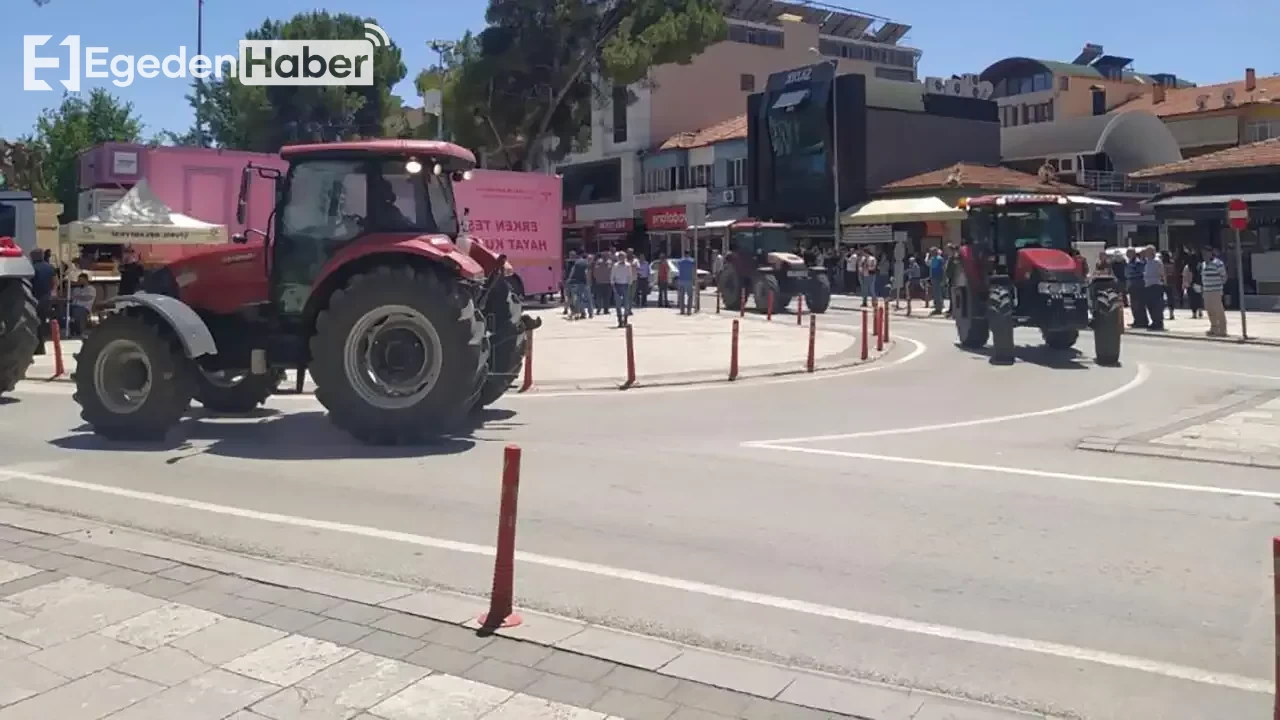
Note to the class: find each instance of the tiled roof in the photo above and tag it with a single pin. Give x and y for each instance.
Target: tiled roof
(732, 129)
(1182, 101)
(987, 177)
(1265, 154)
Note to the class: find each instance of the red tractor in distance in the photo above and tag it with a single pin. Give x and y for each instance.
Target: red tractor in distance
(1016, 268)
(365, 281)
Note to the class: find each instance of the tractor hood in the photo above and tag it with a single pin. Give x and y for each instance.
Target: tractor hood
(786, 257)
(1045, 261)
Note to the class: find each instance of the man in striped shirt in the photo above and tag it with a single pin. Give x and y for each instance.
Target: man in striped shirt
(1213, 278)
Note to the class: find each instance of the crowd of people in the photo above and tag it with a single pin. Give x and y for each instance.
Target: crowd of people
(74, 301)
(1153, 283)
(595, 284)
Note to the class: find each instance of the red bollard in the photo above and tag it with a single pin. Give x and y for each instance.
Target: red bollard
(884, 331)
(58, 368)
(717, 301)
(866, 349)
(742, 306)
(631, 360)
(813, 337)
(875, 318)
(908, 302)
(769, 310)
(528, 362)
(733, 353)
(799, 310)
(500, 613)
(880, 316)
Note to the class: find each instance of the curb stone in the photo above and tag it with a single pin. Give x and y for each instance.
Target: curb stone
(226, 580)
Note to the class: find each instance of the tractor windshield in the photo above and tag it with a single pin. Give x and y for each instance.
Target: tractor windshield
(335, 200)
(760, 240)
(1034, 226)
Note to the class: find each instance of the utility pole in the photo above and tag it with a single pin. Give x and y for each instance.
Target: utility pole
(441, 47)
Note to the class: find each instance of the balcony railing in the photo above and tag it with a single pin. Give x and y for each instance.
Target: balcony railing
(1114, 182)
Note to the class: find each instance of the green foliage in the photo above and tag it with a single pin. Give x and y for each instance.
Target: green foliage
(76, 125)
(263, 118)
(536, 70)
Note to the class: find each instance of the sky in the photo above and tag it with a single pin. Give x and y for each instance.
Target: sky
(1177, 36)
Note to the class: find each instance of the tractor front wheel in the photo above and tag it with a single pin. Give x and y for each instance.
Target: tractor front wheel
(133, 380)
(1108, 325)
(818, 297)
(766, 288)
(729, 285)
(1060, 339)
(972, 330)
(224, 391)
(399, 356)
(19, 330)
(1000, 319)
(507, 341)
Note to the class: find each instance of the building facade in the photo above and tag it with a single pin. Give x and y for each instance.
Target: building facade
(603, 183)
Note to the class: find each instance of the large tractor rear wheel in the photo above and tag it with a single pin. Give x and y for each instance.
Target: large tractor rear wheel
(19, 330)
(1060, 339)
(133, 380)
(1108, 324)
(229, 392)
(766, 287)
(971, 321)
(1000, 319)
(508, 342)
(730, 286)
(399, 356)
(817, 298)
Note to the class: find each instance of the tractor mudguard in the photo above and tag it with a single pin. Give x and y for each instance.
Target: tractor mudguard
(16, 267)
(196, 338)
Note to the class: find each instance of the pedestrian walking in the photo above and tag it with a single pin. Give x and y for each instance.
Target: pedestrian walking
(600, 274)
(42, 288)
(1133, 275)
(620, 275)
(1153, 278)
(581, 304)
(851, 271)
(1173, 292)
(937, 279)
(1213, 276)
(642, 282)
(868, 277)
(685, 283)
(664, 281)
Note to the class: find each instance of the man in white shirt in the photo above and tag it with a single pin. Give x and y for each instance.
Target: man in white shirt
(83, 296)
(621, 276)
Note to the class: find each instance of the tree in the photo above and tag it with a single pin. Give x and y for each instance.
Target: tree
(21, 168)
(540, 65)
(76, 125)
(263, 118)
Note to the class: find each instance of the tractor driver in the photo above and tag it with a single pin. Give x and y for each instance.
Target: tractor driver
(383, 211)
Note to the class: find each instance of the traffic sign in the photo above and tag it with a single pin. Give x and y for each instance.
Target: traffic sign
(1238, 214)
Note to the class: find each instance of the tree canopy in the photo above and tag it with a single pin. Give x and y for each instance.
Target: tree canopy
(538, 67)
(77, 124)
(263, 118)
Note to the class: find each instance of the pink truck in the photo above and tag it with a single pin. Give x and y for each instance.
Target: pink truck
(518, 215)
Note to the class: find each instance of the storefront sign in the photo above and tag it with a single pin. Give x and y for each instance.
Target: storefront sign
(615, 226)
(674, 217)
(568, 215)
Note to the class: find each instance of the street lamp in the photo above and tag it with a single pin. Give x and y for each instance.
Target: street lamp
(835, 147)
(441, 47)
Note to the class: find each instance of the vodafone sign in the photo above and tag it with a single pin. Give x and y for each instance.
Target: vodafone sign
(666, 218)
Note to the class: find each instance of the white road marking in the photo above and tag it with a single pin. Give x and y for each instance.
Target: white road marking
(1210, 371)
(1138, 379)
(1047, 474)
(918, 349)
(1059, 650)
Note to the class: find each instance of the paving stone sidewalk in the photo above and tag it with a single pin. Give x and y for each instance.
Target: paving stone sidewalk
(91, 630)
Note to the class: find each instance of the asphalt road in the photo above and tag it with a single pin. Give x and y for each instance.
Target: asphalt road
(925, 521)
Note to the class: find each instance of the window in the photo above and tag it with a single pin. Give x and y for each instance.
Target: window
(737, 173)
(620, 99)
(8, 221)
(755, 36)
(1064, 83)
(747, 83)
(898, 74)
(700, 176)
(588, 183)
(326, 201)
(1259, 130)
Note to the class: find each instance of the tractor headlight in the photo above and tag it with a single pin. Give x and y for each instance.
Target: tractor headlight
(1058, 288)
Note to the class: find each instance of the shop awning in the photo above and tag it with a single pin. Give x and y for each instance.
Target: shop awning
(901, 210)
(1193, 200)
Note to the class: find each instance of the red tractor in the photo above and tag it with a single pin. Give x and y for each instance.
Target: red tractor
(760, 264)
(366, 282)
(1016, 268)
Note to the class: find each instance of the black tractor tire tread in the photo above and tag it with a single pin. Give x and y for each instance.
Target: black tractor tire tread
(507, 344)
(173, 382)
(766, 285)
(1060, 339)
(1000, 321)
(19, 331)
(818, 297)
(245, 396)
(729, 285)
(465, 355)
(1108, 326)
(974, 334)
